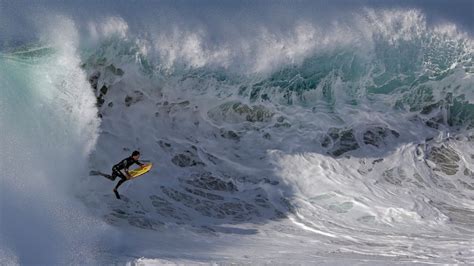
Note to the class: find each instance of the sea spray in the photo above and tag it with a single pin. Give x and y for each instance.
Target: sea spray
(49, 126)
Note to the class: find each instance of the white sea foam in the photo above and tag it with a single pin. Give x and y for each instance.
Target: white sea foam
(49, 127)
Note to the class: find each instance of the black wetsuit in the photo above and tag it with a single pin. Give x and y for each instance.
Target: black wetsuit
(123, 165)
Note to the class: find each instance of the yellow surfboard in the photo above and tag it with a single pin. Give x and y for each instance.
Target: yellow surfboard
(140, 170)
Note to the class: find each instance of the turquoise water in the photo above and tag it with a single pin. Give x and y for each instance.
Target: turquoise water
(45, 126)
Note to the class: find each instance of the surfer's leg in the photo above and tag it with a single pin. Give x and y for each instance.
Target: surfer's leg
(117, 186)
(123, 178)
(111, 177)
(120, 183)
(114, 174)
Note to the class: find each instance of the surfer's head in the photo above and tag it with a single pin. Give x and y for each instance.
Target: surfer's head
(136, 155)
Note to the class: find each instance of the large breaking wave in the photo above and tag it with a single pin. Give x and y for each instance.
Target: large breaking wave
(353, 136)
(49, 126)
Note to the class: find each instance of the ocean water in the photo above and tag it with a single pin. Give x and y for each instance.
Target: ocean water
(334, 142)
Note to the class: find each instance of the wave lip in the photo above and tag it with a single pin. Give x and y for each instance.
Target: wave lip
(49, 126)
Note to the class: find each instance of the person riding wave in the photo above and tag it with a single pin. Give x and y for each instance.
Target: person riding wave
(121, 170)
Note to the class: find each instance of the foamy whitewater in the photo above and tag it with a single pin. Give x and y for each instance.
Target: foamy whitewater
(340, 141)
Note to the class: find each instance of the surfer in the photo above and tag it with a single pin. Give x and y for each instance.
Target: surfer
(121, 170)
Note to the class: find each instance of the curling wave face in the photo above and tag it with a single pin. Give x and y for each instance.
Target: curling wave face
(49, 125)
(360, 137)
